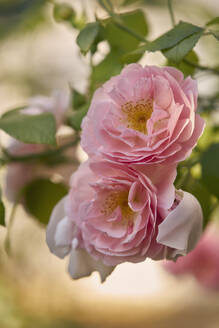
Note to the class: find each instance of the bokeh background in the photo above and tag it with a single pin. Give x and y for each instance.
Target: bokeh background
(38, 55)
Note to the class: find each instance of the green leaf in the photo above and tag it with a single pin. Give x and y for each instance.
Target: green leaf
(178, 52)
(63, 12)
(108, 67)
(40, 197)
(87, 36)
(214, 21)
(30, 128)
(210, 171)
(185, 68)
(76, 118)
(12, 111)
(121, 40)
(78, 99)
(171, 38)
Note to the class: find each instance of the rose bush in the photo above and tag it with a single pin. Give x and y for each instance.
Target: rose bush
(144, 115)
(114, 214)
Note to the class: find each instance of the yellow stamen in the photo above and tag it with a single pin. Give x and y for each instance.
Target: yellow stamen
(115, 199)
(137, 114)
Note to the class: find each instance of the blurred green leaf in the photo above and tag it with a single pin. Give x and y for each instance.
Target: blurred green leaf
(214, 21)
(210, 168)
(108, 67)
(30, 128)
(185, 68)
(130, 57)
(178, 52)
(195, 187)
(2, 214)
(121, 40)
(12, 112)
(63, 12)
(87, 36)
(20, 15)
(78, 99)
(40, 197)
(76, 118)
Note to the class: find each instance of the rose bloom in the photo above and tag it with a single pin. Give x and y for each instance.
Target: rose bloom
(114, 214)
(144, 115)
(202, 262)
(20, 173)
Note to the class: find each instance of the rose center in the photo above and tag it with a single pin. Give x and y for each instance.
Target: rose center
(117, 199)
(137, 114)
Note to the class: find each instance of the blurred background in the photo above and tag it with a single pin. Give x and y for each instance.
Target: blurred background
(38, 55)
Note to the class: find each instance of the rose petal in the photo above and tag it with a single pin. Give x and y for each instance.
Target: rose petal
(82, 265)
(57, 215)
(182, 228)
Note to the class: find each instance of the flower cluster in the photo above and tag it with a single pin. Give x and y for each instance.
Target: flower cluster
(122, 204)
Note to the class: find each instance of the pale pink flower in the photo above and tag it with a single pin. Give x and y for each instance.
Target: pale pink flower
(116, 214)
(20, 173)
(57, 104)
(202, 262)
(144, 115)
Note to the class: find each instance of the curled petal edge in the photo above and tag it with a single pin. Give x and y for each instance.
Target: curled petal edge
(182, 228)
(81, 264)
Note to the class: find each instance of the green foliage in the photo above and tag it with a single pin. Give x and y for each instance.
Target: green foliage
(210, 171)
(2, 214)
(87, 36)
(30, 128)
(76, 118)
(178, 52)
(78, 99)
(174, 44)
(214, 21)
(173, 37)
(20, 15)
(63, 12)
(183, 66)
(196, 187)
(40, 197)
(108, 67)
(119, 39)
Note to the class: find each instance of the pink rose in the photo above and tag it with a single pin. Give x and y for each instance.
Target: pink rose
(202, 262)
(115, 214)
(20, 173)
(144, 115)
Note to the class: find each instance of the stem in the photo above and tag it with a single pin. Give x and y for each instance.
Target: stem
(131, 32)
(40, 155)
(117, 21)
(170, 8)
(200, 67)
(10, 223)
